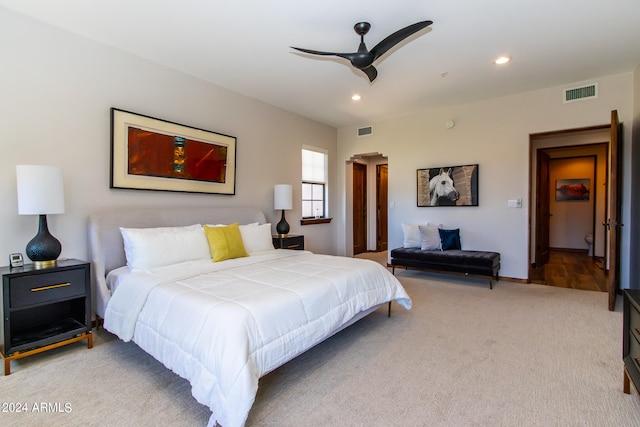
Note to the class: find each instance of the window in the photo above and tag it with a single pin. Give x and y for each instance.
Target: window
(314, 183)
(312, 200)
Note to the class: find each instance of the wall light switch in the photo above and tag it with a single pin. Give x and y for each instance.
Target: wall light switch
(514, 203)
(392, 205)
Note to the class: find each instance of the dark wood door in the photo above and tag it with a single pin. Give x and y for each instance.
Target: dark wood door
(382, 203)
(613, 224)
(359, 208)
(542, 209)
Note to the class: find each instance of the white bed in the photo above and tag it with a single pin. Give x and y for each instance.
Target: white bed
(222, 325)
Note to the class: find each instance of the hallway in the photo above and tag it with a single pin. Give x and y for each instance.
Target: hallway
(571, 269)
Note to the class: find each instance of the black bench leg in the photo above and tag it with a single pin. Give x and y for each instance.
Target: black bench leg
(393, 270)
(389, 313)
(491, 283)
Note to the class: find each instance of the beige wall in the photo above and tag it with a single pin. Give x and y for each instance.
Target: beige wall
(494, 134)
(57, 89)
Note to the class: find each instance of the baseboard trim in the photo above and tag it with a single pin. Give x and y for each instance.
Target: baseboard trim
(515, 280)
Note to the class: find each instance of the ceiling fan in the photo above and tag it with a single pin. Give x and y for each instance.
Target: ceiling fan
(363, 59)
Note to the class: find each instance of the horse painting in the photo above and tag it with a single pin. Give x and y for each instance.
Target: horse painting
(448, 186)
(441, 185)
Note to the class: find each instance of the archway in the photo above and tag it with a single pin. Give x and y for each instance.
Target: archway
(370, 212)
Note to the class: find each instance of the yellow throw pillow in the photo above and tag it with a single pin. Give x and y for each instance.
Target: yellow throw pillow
(225, 242)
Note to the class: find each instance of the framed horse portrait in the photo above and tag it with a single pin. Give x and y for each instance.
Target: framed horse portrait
(448, 186)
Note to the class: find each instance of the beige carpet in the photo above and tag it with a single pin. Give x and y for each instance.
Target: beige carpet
(517, 355)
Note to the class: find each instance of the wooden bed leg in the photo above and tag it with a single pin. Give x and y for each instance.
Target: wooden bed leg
(389, 313)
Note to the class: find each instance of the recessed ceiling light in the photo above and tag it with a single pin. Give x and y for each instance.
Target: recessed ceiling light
(502, 60)
(356, 97)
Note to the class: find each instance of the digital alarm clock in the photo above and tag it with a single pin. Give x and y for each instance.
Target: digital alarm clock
(15, 260)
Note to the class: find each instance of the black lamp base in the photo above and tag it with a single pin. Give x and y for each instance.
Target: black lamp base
(43, 249)
(283, 226)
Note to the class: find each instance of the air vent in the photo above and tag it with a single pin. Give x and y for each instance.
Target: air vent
(365, 131)
(581, 93)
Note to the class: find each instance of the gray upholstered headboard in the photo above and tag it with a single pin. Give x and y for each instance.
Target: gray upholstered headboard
(106, 249)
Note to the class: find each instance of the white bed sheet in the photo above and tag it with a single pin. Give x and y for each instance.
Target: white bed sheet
(224, 325)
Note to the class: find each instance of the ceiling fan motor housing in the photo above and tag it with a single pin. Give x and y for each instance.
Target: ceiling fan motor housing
(362, 28)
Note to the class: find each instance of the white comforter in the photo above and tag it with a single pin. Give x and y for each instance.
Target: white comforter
(224, 325)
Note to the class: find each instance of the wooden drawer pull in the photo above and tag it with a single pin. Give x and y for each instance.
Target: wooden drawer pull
(293, 246)
(45, 288)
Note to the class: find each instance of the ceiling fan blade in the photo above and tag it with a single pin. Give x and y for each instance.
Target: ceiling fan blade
(317, 52)
(371, 72)
(395, 38)
(348, 56)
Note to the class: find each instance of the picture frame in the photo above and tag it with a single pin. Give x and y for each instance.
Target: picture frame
(573, 190)
(448, 186)
(148, 153)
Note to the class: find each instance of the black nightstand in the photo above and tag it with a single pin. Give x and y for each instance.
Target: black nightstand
(44, 308)
(288, 241)
(631, 340)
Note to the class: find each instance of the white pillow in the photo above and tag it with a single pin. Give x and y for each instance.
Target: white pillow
(411, 235)
(430, 238)
(256, 239)
(253, 224)
(155, 247)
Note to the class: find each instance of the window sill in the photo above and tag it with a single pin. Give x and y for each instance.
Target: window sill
(310, 221)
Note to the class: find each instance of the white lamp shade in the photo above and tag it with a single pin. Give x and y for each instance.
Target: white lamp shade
(282, 196)
(40, 190)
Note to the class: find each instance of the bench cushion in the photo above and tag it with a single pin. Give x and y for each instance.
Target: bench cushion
(453, 256)
(457, 261)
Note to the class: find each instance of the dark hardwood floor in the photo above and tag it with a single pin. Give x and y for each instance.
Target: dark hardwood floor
(571, 269)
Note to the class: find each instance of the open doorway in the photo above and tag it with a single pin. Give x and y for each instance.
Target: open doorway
(367, 203)
(539, 214)
(569, 206)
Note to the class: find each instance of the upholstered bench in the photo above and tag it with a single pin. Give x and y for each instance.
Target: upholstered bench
(472, 263)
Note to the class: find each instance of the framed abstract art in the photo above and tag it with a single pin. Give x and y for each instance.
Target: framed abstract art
(153, 154)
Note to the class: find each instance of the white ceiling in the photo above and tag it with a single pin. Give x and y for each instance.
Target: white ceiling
(243, 45)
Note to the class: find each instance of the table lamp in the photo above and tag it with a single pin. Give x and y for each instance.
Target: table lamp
(282, 200)
(41, 192)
